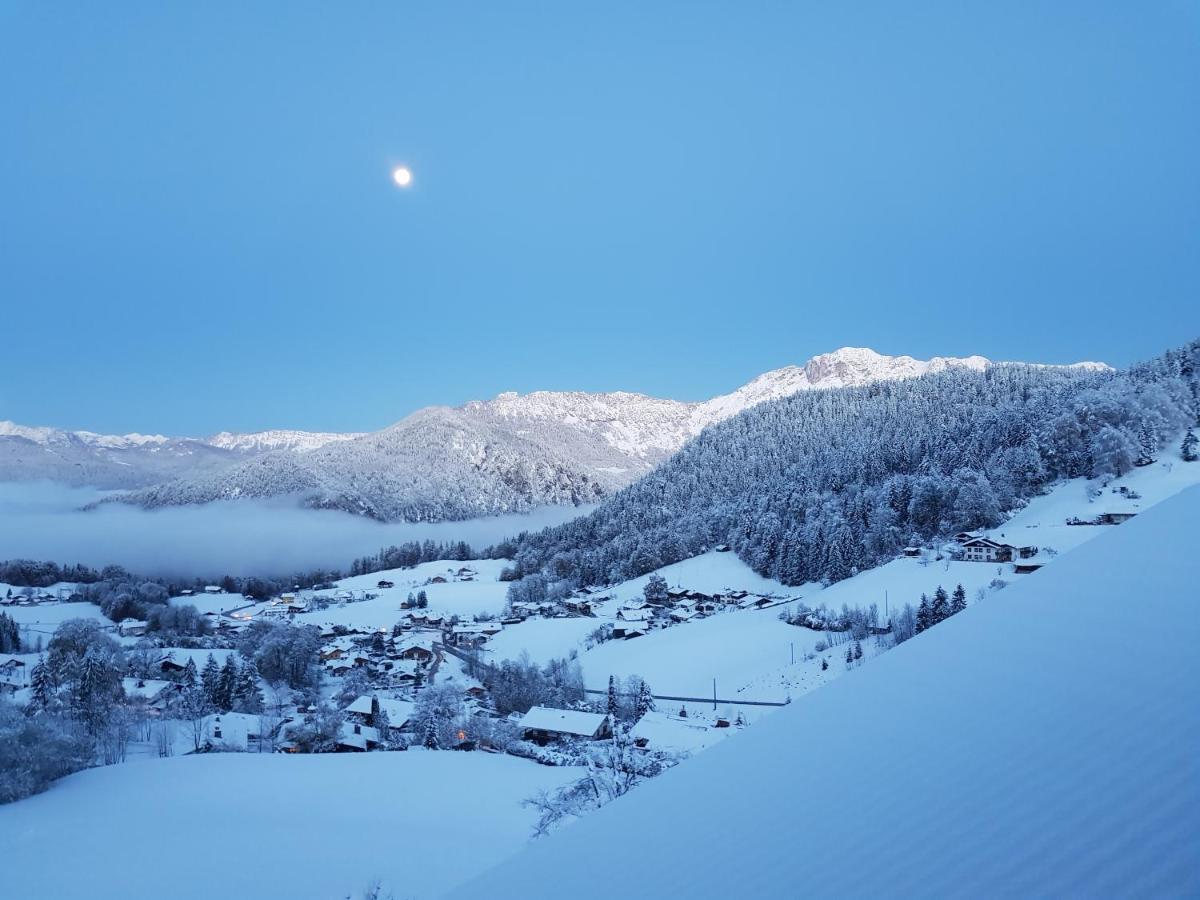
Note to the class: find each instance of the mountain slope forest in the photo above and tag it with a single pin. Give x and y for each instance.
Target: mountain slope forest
(821, 484)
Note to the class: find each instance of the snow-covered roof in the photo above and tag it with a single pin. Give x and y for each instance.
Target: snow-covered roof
(398, 711)
(147, 688)
(358, 735)
(236, 728)
(563, 721)
(662, 731)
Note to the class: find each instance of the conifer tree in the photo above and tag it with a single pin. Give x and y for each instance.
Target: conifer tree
(43, 691)
(923, 618)
(190, 676)
(645, 701)
(959, 601)
(381, 722)
(1147, 444)
(939, 610)
(247, 695)
(1189, 449)
(612, 697)
(210, 681)
(430, 741)
(227, 684)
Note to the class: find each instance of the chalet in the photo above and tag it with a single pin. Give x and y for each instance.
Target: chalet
(628, 630)
(213, 589)
(231, 731)
(383, 585)
(356, 738)
(543, 724)
(399, 712)
(1027, 568)
(153, 692)
(437, 579)
(983, 549)
(169, 666)
(12, 672)
(705, 607)
(763, 602)
(1114, 518)
(682, 615)
(721, 548)
(911, 552)
(963, 536)
(468, 636)
(417, 653)
(333, 652)
(338, 667)
(131, 628)
(578, 606)
(186, 592)
(633, 615)
(476, 692)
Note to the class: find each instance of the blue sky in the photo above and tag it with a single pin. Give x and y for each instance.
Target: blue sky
(198, 231)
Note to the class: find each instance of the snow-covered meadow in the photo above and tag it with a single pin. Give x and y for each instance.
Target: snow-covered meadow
(251, 825)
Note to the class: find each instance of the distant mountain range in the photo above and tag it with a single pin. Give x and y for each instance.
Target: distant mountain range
(510, 454)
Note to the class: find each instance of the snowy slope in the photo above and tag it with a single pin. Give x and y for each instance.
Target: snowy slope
(270, 825)
(512, 453)
(1020, 748)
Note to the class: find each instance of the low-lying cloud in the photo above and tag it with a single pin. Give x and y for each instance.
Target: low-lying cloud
(43, 521)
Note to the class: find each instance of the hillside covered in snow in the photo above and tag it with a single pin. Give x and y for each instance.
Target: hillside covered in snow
(515, 452)
(819, 485)
(1023, 748)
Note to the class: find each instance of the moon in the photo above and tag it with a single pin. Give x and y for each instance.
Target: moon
(402, 176)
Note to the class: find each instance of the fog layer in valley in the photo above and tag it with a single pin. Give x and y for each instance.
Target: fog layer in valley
(43, 521)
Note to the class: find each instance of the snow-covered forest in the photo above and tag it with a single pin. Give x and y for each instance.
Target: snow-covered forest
(822, 484)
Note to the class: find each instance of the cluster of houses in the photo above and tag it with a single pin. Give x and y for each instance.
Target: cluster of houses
(637, 617)
(399, 661)
(34, 596)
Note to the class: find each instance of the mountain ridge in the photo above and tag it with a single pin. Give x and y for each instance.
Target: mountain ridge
(487, 457)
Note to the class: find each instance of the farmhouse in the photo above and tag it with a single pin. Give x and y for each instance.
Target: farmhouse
(543, 724)
(983, 549)
(231, 731)
(131, 628)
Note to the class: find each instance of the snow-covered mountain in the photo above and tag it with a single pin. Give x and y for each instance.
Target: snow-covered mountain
(509, 454)
(127, 461)
(278, 439)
